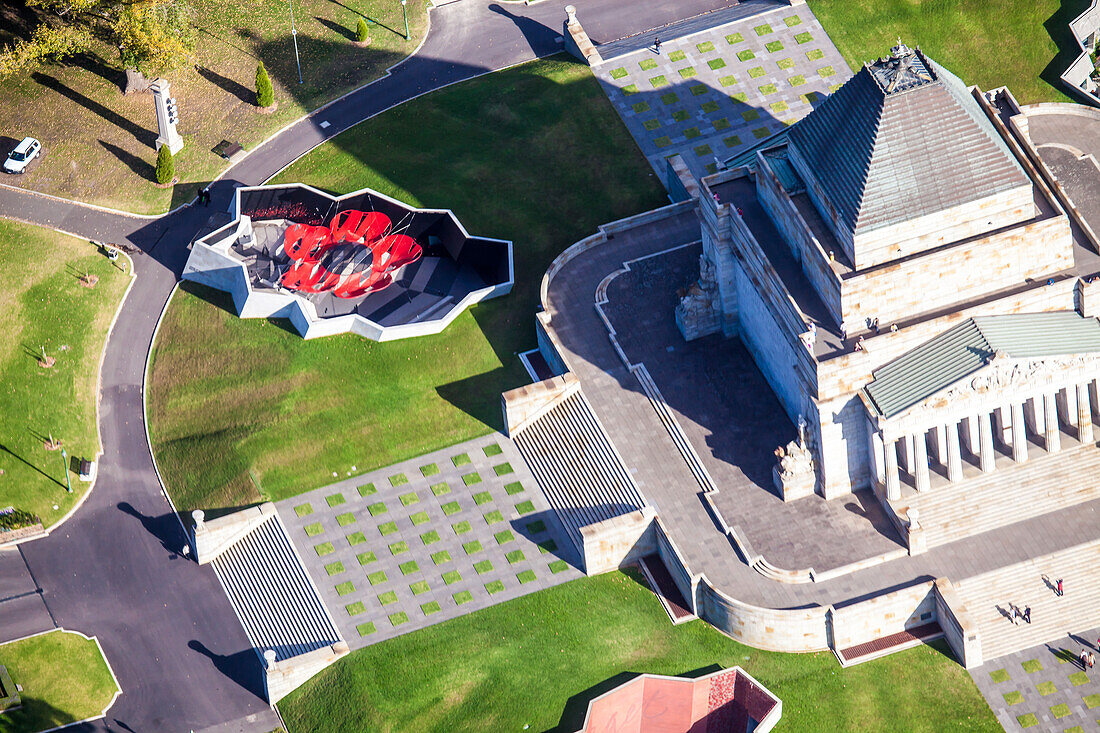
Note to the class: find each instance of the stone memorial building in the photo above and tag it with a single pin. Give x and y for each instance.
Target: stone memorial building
(914, 295)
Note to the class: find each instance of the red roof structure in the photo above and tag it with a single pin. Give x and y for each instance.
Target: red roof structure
(727, 701)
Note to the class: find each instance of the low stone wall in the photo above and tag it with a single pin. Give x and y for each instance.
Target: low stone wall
(959, 629)
(619, 541)
(282, 678)
(780, 630)
(525, 404)
(18, 535)
(210, 538)
(577, 41)
(883, 615)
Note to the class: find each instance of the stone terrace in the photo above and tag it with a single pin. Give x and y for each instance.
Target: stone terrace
(715, 92)
(429, 539)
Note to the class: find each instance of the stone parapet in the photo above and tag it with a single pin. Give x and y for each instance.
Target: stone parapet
(959, 629)
(883, 615)
(526, 404)
(283, 677)
(577, 41)
(210, 538)
(619, 541)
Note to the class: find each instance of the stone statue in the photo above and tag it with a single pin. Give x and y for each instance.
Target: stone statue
(697, 313)
(794, 473)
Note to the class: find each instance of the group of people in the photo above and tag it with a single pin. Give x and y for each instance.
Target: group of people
(1087, 658)
(1018, 614)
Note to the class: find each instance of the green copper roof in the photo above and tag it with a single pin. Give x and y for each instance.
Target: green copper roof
(966, 348)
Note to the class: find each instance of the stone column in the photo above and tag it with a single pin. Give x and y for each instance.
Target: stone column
(893, 484)
(1084, 415)
(954, 453)
(920, 459)
(878, 463)
(986, 454)
(1051, 433)
(1019, 434)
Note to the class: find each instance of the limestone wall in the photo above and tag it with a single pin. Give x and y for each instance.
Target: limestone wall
(523, 405)
(959, 628)
(844, 465)
(799, 239)
(618, 541)
(284, 677)
(956, 273)
(889, 613)
(797, 630)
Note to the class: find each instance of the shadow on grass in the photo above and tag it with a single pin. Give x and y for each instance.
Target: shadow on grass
(235, 88)
(145, 137)
(335, 28)
(142, 168)
(28, 464)
(478, 396)
(37, 714)
(1057, 26)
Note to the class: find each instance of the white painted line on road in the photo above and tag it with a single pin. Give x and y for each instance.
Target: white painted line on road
(324, 124)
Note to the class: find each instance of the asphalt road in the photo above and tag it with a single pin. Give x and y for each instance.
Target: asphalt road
(113, 570)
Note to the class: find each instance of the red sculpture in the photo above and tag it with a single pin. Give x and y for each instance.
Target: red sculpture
(351, 257)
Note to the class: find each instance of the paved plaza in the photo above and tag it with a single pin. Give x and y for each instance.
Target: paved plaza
(713, 93)
(1044, 688)
(429, 539)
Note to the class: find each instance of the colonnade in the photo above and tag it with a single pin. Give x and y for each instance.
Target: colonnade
(1009, 424)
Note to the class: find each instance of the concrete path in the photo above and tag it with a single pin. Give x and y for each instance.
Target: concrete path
(112, 570)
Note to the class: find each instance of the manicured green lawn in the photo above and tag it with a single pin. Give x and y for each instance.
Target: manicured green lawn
(539, 659)
(990, 43)
(64, 679)
(99, 144)
(240, 409)
(44, 304)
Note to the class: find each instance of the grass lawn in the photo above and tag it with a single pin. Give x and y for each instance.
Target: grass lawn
(539, 659)
(64, 679)
(99, 144)
(240, 409)
(44, 304)
(989, 43)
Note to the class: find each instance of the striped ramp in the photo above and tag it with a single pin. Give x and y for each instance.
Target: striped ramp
(276, 601)
(577, 467)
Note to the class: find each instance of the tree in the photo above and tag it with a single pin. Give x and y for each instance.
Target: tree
(265, 93)
(362, 33)
(149, 35)
(166, 165)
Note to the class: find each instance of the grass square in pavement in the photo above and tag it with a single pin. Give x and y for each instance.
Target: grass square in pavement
(803, 37)
(387, 528)
(451, 577)
(651, 125)
(705, 46)
(1027, 721)
(709, 107)
(525, 576)
(826, 71)
(761, 132)
(303, 510)
(504, 537)
(732, 141)
(429, 608)
(441, 488)
(1091, 701)
(430, 537)
(716, 64)
(482, 497)
(618, 73)
(669, 98)
(334, 568)
(335, 499)
(547, 546)
(774, 46)
(1078, 678)
(1032, 665)
(345, 588)
(460, 460)
(494, 587)
(471, 478)
(366, 490)
(515, 556)
(779, 106)
(797, 80)
(1014, 698)
(746, 55)
(483, 566)
(463, 596)
(734, 38)
(377, 577)
(815, 54)
(441, 557)
(630, 89)
(493, 449)
(365, 629)
(419, 518)
(356, 538)
(429, 470)
(763, 30)
(756, 72)
(691, 133)
(640, 107)
(1074, 729)
(728, 81)
(722, 123)
(526, 507)
(366, 558)
(680, 115)
(999, 675)
(768, 89)
(647, 64)
(325, 548)
(503, 469)
(312, 530)
(1060, 711)
(409, 498)
(677, 55)
(785, 63)
(750, 114)
(377, 508)
(536, 526)
(472, 548)
(345, 519)
(739, 97)
(558, 566)
(493, 517)
(398, 548)
(396, 619)
(354, 609)
(687, 72)
(1046, 688)
(792, 21)
(451, 507)
(399, 479)
(658, 81)
(388, 598)
(419, 587)
(461, 528)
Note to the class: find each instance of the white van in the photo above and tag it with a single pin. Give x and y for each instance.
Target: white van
(26, 151)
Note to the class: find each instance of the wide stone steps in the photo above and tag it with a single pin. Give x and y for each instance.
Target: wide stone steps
(987, 598)
(576, 466)
(1014, 492)
(273, 595)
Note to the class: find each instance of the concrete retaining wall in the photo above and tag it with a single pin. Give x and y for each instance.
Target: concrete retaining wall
(883, 615)
(618, 541)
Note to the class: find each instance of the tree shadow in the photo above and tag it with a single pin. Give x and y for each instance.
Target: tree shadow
(1057, 27)
(242, 667)
(95, 64)
(142, 168)
(37, 714)
(238, 90)
(336, 28)
(145, 137)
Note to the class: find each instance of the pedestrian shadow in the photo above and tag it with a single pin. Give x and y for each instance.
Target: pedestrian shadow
(1007, 613)
(1062, 654)
(1049, 584)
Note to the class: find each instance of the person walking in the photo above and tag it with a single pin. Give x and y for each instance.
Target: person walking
(657, 45)
(1060, 591)
(1083, 657)
(206, 196)
(1027, 614)
(1092, 660)
(1016, 613)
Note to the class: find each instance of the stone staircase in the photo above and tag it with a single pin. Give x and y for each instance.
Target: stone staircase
(577, 467)
(987, 596)
(1014, 492)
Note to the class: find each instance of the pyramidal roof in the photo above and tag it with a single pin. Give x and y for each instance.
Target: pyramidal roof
(901, 139)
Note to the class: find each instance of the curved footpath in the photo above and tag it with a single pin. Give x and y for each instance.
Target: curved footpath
(112, 569)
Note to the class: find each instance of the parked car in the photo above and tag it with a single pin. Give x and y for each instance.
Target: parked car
(26, 151)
